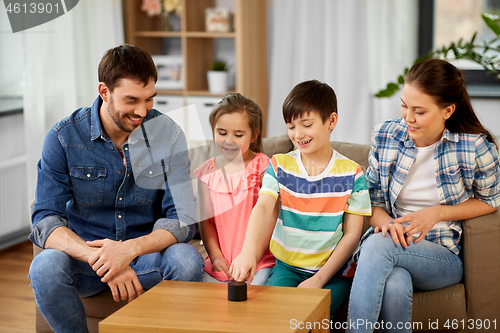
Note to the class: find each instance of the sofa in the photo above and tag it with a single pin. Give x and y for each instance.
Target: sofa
(462, 307)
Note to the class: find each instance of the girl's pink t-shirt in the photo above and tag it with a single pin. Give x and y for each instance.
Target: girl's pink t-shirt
(233, 197)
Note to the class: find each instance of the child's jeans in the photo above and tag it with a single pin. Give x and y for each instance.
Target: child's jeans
(283, 275)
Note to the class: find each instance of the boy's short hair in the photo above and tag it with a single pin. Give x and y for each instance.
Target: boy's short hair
(310, 96)
(126, 62)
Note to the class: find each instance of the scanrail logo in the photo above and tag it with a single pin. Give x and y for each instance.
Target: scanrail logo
(26, 14)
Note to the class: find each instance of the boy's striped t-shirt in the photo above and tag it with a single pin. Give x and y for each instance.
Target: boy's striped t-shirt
(309, 225)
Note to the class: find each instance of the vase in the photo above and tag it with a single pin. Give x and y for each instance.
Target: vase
(217, 82)
(170, 21)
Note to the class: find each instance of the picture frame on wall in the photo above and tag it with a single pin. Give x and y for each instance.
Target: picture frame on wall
(170, 71)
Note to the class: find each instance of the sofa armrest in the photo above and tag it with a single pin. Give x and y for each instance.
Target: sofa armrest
(481, 253)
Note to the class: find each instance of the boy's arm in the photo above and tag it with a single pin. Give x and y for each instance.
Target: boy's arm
(243, 267)
(264, 241)
(353, 225)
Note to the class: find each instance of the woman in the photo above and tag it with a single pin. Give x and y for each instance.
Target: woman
(428, 170)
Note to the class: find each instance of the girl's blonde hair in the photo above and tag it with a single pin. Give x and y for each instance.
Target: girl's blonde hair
(235, 102)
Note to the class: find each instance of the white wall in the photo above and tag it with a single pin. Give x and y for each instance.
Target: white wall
(11, 58)
(488, 111)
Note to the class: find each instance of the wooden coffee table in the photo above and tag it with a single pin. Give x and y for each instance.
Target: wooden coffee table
(177, 306)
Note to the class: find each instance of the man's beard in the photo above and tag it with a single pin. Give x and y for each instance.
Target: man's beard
(119, 122)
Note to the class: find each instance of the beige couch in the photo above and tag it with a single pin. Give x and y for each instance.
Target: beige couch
(477, 297)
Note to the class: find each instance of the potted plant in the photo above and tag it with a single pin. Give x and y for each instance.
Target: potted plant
(217, 77)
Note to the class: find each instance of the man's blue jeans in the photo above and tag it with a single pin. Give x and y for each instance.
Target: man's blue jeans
(382, 288)
(58, 281)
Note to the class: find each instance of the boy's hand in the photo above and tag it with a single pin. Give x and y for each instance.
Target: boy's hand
(243, 267)
(221, 264)
(312, 282)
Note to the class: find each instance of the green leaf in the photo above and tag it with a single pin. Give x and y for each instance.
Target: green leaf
(389, 91)
(218, 65)
(473, 38)
(401, 79)
(490, 21)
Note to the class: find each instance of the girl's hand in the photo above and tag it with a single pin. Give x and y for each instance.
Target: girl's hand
(421, 221)
(220, 264)
(243, 267)
(396, 232)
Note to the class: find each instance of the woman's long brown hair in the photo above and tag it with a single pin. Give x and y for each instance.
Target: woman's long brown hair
(446, 85)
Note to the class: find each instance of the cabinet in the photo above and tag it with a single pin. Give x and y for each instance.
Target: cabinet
(199, 48)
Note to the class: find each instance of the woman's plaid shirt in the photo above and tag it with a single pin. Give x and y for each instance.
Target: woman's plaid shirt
(466, 166)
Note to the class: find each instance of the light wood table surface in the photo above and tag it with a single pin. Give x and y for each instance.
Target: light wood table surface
(177, 306)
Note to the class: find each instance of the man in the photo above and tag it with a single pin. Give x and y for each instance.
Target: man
(103, 220)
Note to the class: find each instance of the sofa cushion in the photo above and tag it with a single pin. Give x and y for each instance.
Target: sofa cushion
(356, 152)
(276, 145)
(200, 151)
(441, 306)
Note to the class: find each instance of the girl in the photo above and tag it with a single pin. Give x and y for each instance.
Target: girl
(228, 188)
(428, 170)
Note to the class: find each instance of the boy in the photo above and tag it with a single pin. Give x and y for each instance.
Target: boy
(323, 197)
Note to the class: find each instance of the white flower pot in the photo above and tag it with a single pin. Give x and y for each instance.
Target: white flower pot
(217, 81)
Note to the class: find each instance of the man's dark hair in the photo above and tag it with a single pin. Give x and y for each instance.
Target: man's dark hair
(310, 96)
(126, 62)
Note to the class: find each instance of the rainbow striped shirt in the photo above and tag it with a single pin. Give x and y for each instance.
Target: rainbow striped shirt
(309, 225)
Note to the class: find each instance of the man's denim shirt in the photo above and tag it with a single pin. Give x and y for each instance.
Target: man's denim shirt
(83, 184)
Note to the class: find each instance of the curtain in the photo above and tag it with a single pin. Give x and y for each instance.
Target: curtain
(355, 46)
(60, 69)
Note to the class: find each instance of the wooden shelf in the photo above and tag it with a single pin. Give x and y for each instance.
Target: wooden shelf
(189, 92)
(203, 34)
(169, 92)
(157, 34)
(198, 47)
(205, 93)
(193, 34)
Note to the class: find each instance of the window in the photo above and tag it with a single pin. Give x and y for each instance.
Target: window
(444, 21)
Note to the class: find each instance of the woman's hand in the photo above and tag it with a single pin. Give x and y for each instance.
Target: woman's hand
(396, 232)
(420, 221)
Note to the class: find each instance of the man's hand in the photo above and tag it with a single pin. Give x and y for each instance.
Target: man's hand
(125, 284)
(221, 264)
(243, 267)
(111, 258)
